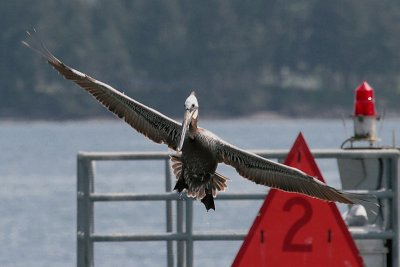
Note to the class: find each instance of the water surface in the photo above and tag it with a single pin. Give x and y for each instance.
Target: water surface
(38, 188)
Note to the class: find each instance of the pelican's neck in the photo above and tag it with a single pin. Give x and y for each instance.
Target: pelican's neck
(193, 128)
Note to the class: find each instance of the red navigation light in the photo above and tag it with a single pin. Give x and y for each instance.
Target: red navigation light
(365, 101)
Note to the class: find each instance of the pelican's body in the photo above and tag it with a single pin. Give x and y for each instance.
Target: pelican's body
(198, 151)
(195, 167)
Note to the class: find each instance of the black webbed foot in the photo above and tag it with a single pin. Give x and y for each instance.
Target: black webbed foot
(180, 185)
(208, 201)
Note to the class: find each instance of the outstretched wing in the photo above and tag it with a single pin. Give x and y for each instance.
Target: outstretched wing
(149, 122)
(279, 176)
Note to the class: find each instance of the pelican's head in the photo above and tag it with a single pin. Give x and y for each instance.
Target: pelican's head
(191, 113)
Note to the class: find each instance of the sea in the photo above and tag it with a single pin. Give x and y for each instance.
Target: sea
(38, 187)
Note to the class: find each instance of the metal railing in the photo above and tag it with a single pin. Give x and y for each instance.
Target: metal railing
(184, 235)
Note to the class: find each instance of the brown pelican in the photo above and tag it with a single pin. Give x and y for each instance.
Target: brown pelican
(198, 151)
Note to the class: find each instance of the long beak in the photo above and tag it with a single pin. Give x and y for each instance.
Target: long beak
(185, 126)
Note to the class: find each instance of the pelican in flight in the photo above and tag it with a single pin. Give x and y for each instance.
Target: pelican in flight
(199, 151)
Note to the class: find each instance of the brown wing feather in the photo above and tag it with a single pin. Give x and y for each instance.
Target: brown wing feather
(149, 122)
(279, 176)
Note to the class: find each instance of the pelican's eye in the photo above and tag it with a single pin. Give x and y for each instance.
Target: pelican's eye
(192, 105)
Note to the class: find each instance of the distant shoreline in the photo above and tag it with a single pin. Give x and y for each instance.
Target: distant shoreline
(262, 116)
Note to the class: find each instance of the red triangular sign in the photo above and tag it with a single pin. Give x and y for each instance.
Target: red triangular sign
(296, 230)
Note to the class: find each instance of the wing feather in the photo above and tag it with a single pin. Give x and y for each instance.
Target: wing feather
(273, 174)
(149, 122)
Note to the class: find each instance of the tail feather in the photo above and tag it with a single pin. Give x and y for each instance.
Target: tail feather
(218, 183)
(176, 165)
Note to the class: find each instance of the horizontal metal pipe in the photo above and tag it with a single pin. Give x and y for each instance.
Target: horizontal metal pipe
(124, 155)
(278, 154)
(382, 193)
(212, 236)
(373, 235)
(332, 153)
(135, 197)
(169, 196)
(355, 153)
(219, 236)
(221, 196)
(138, 237)
(251, 196)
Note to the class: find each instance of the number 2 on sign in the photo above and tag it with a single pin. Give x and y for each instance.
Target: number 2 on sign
(288, 244)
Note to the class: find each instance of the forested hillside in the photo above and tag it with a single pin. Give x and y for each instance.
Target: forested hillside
(295, 58)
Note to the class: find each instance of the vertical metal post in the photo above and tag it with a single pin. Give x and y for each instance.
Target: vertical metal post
(189, 232)
(179, 229)
(168, 211)
(85, 212)
(386, 208)
(395, 209)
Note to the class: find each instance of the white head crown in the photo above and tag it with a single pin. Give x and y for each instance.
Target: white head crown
(191, 102)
